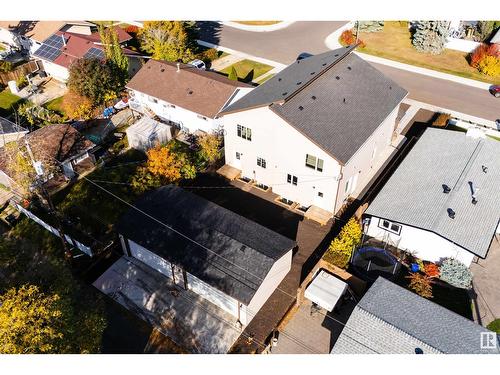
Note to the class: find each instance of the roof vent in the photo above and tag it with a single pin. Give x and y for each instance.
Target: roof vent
(451, 213)
(279, 79)
(344, 100)
(300, 108)
(162, 70)
(299, 83)
(313, 73)
(336, 55)
(390, 87)
(324, 64)
(349, 68)
(284, 94)
(190, 92)
(337, 78)
(313, 97)
(178, 67)
(446, 189)
(484, 168)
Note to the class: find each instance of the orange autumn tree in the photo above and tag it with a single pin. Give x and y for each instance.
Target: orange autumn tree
(164, 163)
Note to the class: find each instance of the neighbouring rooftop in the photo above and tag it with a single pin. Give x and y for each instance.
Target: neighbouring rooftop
(226, 250)
(465, 167)
(335, 99)
(392, 320)
(186, 86)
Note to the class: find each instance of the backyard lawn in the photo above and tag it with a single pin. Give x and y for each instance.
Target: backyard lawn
(394, 43)
(248, 70)
(7, 100)
(261, 81)
(56, 105)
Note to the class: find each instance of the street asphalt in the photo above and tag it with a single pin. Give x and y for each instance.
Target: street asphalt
(309, 36)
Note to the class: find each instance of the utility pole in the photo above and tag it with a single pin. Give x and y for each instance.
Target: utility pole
(357, 32)
(44, 194)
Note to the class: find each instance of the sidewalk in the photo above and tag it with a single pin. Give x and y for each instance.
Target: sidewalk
(224, 62)
(332, 42)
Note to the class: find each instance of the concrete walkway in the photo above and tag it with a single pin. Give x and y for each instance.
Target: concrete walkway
(225, 61)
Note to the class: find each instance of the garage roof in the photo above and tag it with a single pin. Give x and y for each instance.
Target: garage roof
(221, 248)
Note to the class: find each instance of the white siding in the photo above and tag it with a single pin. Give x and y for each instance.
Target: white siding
(57, 71)
(152, 260)
(213, 295)
(367, 158)
(187, 119)
(423, 244)
(276, 274)
(284, 150)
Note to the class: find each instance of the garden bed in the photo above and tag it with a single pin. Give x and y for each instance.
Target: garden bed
(394, 43)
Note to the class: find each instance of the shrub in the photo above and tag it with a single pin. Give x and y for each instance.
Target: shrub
(431, 270)
(340, 250)
(456, 273)
(442, 120)
(347, 38)
(430, 36)
(233, 75)
(209, 55)
(131, 29)
(481, 52)
(21, 82)
(494, 326)
(6, 66)
(490, 66)
(420, 284)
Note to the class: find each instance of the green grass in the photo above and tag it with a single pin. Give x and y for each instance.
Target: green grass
(56, 105)
(261, 81)
(8, 101)
(248, 70)
(494, 326)
(394, 43)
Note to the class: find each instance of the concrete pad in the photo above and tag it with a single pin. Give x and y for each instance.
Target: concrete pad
(229, 172)
(318, 215)
(190, 321)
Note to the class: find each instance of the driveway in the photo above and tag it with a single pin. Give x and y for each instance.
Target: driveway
(485, 285)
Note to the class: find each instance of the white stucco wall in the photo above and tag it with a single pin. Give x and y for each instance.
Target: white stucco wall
(57, 71)
(284, 150)
(423, 244)
(368, 157)
(274, 277)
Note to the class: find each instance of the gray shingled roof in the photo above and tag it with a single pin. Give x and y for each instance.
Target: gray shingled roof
(392, 320)
(414, 193)
(335, 99)
(7, 127)
(245, 250)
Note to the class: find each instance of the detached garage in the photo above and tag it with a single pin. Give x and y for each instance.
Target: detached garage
(228, 260)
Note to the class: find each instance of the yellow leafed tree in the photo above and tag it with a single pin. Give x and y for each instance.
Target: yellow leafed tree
(340, 250)
(30, 321)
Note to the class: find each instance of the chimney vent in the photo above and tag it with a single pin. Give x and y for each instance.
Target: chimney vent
(446, 189)
(451, 213)
(178, 67)
(485, 168)
(344, 100)
(63, 40)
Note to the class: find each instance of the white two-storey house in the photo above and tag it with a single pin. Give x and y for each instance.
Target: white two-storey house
(317, 132)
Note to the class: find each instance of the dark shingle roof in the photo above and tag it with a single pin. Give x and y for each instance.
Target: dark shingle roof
(335, 99)
(393, 320)
(456, 160)
(244, 251)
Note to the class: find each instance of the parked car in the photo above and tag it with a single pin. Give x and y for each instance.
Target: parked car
(198, 64)
(495, 91)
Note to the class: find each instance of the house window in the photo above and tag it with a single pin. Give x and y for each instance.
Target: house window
(261, 162)
(320, 194)
(244, 132)
(314, 162)
(291, 179)
(389, 226)
(238, 156)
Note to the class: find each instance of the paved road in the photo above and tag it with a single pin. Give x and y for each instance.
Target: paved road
(286, 44)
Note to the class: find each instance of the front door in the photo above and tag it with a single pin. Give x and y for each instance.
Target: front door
(237, 160)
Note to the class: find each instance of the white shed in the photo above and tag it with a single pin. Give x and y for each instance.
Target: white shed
(147, 132)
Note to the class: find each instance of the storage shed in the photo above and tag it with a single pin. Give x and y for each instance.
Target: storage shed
(146, 133)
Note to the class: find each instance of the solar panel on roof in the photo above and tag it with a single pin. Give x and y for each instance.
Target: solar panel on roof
(47, 52)
(94, 53)
(55, 41)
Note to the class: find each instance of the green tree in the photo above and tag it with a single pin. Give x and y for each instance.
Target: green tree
(115, 57)
(30, 321)
(233, 75)
(485, 29)
(94, 79)
(430, 36)
(167, 40)
(209, 147)
(18, 165)
(340, 250)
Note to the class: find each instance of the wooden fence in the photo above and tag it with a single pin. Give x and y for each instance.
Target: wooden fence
(18, 72)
